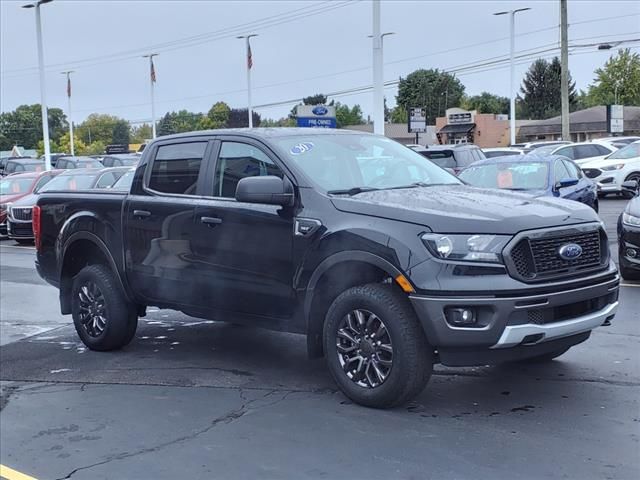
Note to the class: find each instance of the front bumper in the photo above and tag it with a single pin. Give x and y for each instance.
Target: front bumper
(610, 181)
(506, 322)
(629, 239)
(20, 230)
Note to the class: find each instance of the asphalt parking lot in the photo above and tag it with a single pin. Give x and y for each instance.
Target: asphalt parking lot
(200, 399)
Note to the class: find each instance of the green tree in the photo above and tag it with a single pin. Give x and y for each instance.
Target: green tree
(23, 126)
(431, 89)
(348, 116)
(217, 117)
(121, 135)
(98, 128)
(239, 118)
(541, 90)
(399, 114)
(486, 103)
(53, 146)
(141, 133)
(178, 122)
(618, 81)
(317, 99)
(281, 122)
(95, 148)
(64, 145)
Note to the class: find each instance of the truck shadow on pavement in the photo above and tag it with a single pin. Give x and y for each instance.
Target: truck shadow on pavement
(196, 353)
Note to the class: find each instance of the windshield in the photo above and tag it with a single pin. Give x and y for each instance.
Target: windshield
(33, 167)
(15, 186)
(509, 175)
(69, 182)
(342, 162)
(630, 151)
(124, 182)
(546, 150)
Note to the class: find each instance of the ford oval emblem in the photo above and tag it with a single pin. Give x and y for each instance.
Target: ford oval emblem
(320, 110)
(570, 251)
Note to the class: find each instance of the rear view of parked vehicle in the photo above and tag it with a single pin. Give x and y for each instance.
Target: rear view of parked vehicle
(65, 163)
(552, 176)
(21, 165)
(584, 152)
(453, 158)
(502, 151)
(120, 160)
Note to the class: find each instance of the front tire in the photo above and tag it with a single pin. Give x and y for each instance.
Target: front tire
(375, 348)
(103, 316)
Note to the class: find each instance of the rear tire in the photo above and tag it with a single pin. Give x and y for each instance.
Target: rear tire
(547, 357)
(388, 361)
(104, 318)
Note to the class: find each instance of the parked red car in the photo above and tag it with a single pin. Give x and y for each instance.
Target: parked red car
(16, 186)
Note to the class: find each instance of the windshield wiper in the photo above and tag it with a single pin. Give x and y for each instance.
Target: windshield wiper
(352, 191)
(419, 184)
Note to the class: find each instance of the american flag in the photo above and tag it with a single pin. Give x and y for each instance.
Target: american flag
(249, 57)
(153, 72)
(68, 86)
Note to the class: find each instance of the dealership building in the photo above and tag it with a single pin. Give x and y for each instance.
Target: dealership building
(464, 126)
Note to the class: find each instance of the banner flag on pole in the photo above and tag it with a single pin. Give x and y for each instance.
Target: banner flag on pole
(68, 86)
(153, 72)
(249, 56)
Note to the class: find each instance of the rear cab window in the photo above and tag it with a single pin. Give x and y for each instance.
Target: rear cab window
(176, 168)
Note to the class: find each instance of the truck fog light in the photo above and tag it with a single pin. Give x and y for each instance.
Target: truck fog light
(459, 317)
(631, 253)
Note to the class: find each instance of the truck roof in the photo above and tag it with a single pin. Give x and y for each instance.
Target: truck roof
(265, 133)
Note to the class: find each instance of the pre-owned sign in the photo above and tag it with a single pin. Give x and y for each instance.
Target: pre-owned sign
(319, 116)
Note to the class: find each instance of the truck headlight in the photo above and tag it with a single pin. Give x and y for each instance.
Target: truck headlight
(617, 166)
(466, 248)
(631, 220)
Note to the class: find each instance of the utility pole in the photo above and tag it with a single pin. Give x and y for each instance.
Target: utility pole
(564, 72)
(378, 80)
(68, 74)
(152, 78)
(249, 66)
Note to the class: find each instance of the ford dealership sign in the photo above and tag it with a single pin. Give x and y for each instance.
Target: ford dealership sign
(322, 116)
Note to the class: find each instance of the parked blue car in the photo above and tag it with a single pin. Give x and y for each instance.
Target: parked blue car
(553, 176)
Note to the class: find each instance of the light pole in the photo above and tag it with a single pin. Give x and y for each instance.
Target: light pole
(512, 105)
(249, 65)
(378, 79)
(68, 74)
(43, 93)
(152, 81)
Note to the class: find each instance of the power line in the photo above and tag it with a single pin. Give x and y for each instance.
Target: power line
(228, 32)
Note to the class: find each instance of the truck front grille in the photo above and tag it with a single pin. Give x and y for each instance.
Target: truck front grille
(22, 214)
(537, 258)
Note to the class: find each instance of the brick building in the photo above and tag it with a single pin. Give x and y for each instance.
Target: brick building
(482, 129)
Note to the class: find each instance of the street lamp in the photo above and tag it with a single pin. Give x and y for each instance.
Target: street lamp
(249, 65)
(512, 105)
(68, 74)
(43, 94)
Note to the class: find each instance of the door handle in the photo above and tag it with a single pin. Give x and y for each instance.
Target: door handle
(212, 221)
(141, 213)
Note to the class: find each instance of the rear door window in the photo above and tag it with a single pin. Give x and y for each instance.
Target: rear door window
(176, 168)
(585, 151)
(442, 158)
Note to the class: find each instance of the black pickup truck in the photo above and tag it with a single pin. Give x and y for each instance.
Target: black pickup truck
(387, 263)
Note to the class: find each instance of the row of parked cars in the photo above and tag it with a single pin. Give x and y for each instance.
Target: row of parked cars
(20, 189)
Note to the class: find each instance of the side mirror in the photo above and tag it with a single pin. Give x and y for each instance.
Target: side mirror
(632, 186)
(566, 182)
(268, 189)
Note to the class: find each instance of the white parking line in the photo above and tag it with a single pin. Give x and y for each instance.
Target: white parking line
(19, 247)
(636, 285)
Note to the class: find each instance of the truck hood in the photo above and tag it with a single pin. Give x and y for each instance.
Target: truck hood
(464, 209)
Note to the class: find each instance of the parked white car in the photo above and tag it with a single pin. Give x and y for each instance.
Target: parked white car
(611, 172)
(584, 152)
(617, 142)
(502, 151)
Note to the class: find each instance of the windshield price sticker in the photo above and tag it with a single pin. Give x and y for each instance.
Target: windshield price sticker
(301, 148)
